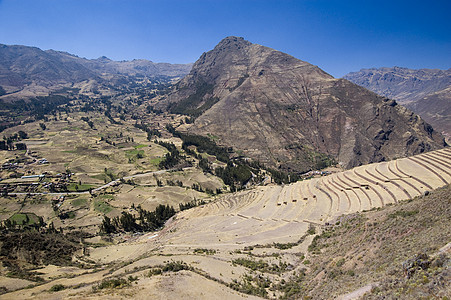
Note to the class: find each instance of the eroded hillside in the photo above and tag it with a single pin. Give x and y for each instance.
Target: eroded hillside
(288, 113)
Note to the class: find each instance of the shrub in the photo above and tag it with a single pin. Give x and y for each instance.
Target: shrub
(57, 288)
(112, 283)
(340, 262)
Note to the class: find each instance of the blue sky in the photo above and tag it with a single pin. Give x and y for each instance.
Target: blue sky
(338, 36)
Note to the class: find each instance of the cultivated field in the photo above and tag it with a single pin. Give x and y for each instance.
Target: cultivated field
(247, 241)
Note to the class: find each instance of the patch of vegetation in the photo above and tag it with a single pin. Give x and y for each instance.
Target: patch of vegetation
(234, 173)
(250, 285)
(261, 265)
(172, 266)
(102, 207)
(57, 288)
(79, 202)
(202, 144)
(291, 287)
(402, 214)
(156, 161)
(66, 215)
(197, 103)
(114, 283)
(20, 249)
(75, 187)
(204, 251)
(134, 155)
(151, 132)
(284, 246)
(25, 219)
(143, 221)
(281, 177)
(191, 204)
(311, 230)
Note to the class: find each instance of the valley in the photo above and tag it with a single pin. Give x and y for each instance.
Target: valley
(256, 175)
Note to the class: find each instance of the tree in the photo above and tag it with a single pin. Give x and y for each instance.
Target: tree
(106, 226)
(23, 135)
(21, 146)
(42, 126)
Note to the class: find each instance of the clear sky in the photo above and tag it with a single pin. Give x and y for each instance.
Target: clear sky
(338, 36)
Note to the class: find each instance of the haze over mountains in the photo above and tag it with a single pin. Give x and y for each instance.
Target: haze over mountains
(425, 91)
(288, 113)
(29, 71)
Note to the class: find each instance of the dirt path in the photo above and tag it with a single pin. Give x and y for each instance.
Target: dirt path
(359, 292)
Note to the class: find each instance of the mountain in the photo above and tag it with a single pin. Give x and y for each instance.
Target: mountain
(290, 114)
(30, 71)
(22, 65)
(136, 67)
(402, 84)
(426, 92)
(435, 109)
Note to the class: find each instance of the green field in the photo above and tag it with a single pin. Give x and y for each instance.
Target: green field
(74, 187)
(21, 218)
(102, 207)
(134, 153)
(79, 202)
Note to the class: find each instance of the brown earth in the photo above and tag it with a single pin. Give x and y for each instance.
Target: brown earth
(286, 112)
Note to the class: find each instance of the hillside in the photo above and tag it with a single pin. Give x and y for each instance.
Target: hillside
(402, 84)
(30, 71)
(435, 109)
(426, 92)
(281, 242)
(290, 114)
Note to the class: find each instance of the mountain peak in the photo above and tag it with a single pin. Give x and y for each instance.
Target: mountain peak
(278, 109)
(103, 58)
(232, 42)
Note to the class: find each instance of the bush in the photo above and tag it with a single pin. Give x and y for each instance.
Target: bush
(112, 283)
(57, 288)
(340, 262)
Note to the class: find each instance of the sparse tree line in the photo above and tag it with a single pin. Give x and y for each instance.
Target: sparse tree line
(238, 172)
(191, 204)
(151, 132)
(8, 142)
(142, 221)
(171, 159)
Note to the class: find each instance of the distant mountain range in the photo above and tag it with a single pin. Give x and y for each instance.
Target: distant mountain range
(290, 114)
(425, 91)
(30, 71)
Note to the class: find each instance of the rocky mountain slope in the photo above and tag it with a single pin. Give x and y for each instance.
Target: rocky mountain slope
(290, 114)
(435, 108)
(402, 84)
(426, 92)
(30, 71)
